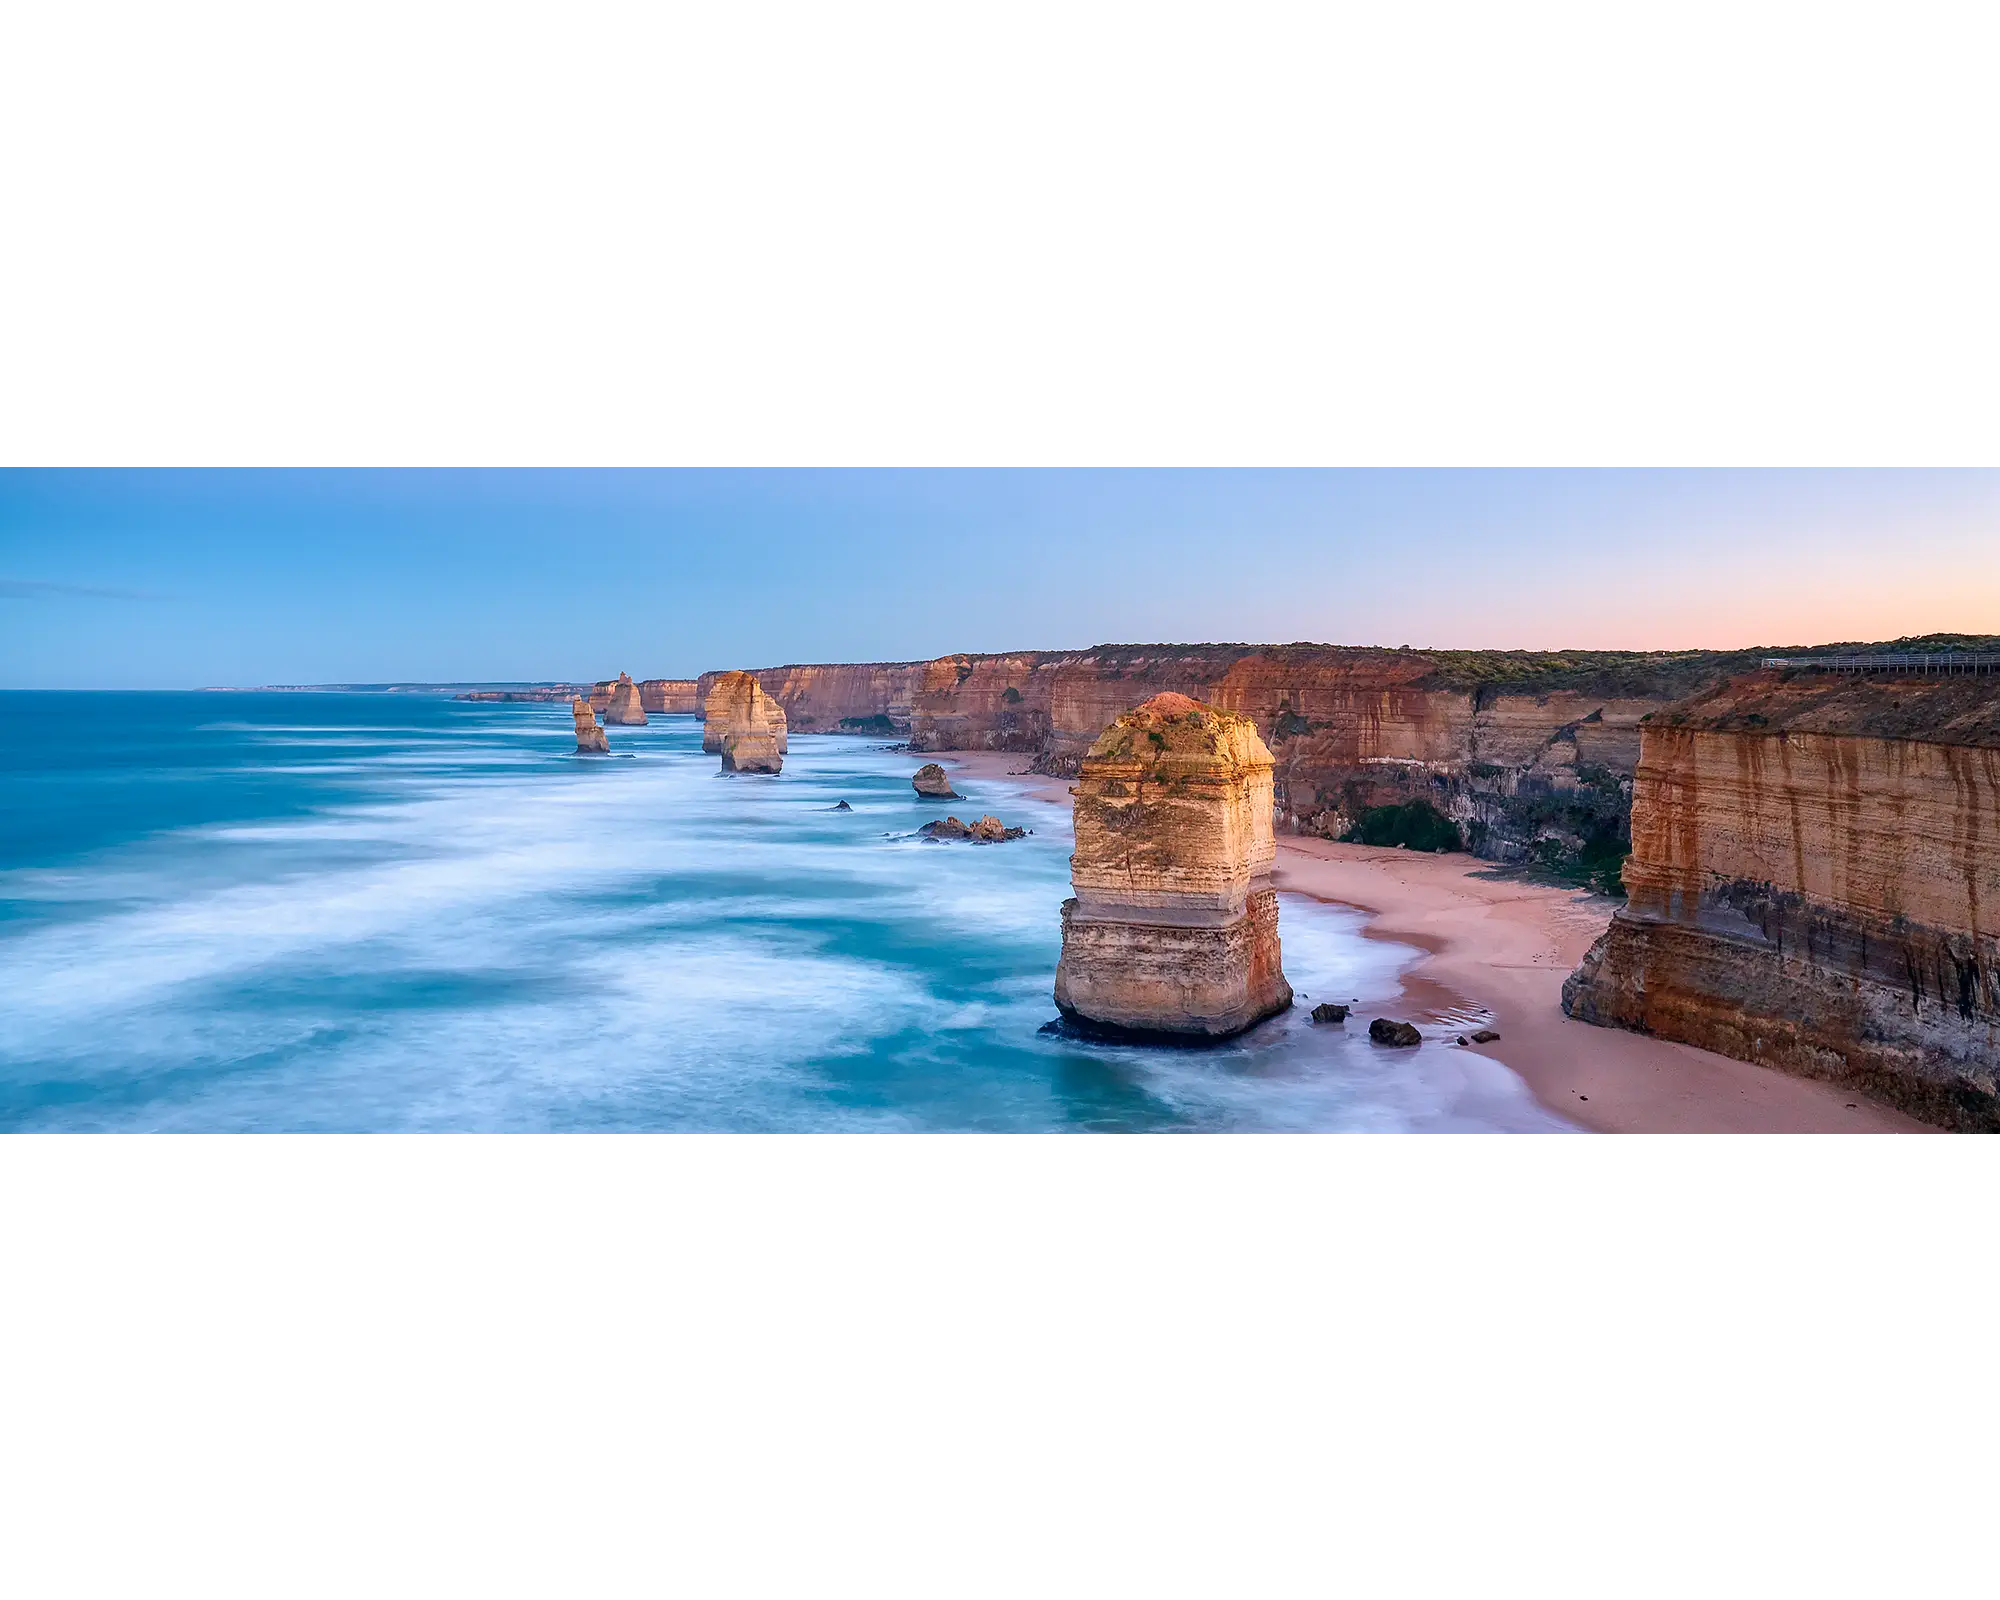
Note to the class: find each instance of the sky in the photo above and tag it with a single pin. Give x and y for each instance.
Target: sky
(143, 580)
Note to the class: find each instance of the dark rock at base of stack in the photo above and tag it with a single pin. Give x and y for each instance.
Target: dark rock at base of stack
(1327, 1011)
(1385, 1030)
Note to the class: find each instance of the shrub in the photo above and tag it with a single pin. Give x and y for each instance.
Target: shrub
(1418, 825)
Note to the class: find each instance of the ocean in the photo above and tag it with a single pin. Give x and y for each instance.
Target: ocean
(317, 911)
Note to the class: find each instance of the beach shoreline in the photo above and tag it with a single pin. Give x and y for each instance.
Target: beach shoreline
(1505, 945)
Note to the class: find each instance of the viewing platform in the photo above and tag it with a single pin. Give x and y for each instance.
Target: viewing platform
(1944, 663)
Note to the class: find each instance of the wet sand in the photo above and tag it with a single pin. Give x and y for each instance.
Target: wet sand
(1505, 946)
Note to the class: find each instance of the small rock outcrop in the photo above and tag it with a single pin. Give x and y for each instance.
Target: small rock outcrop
(1173, 932)
(623, 709)
(987, 830)
(1327, 1011)
(744, 725)
(930, 781)
(1385, 1030)
(843, 806)
(590, 740)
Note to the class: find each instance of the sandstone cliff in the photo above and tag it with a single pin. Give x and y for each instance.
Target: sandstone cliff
(1174, 928)
(1815, 885)
(669, 697)
(1529, 754)
(853, 697)
(622, 708)
(590, 740)
(743, 724)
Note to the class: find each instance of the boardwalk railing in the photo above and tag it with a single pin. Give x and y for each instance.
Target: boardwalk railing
(1945, 662)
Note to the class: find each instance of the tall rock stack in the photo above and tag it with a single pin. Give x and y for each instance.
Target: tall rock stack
(1173, 934)
(623, 708)
(744, 725)
(590, 740)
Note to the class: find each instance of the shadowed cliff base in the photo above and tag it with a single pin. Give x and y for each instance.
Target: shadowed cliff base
(1506, 946)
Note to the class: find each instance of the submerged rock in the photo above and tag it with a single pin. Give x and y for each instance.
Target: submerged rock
(1173, 933)
(1327, 1011)
(623, 708)
(930, 781)
(843, 806)
(744, 724)
(590, 740)
(950, 828)
(1385, 1030)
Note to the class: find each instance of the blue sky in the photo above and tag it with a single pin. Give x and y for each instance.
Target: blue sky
(183, 579)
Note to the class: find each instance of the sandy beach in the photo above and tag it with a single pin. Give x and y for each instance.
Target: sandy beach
(1506, 946)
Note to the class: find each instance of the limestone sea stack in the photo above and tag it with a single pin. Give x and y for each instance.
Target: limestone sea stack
(744, 725)
(590, 740)
(623, 710)
(1173, 933)
(930, 781)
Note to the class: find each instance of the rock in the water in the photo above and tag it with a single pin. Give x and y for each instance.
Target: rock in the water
(1385, 1031)
(930, 782)
(1327, 1011)
(843, 806)
(1173, 932)
(991, 830)
(1484, 1036)
(950, 828)
(623, 710)
(745, 724)
(590, 740)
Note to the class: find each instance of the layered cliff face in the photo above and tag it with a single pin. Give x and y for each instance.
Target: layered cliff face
(1529, 756)
(669, 697)
(622, 708)
(852, 697)
(590, 740)
(1173, 931)
(743, 724)
(1815, 885)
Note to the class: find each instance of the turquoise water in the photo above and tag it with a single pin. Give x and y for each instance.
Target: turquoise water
(251, 911)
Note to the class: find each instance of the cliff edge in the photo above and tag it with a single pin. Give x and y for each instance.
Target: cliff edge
(1815, 885)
